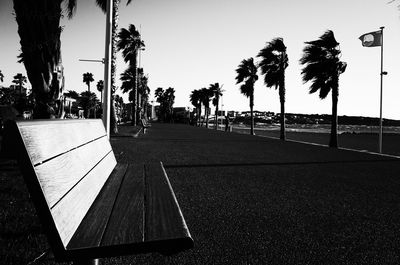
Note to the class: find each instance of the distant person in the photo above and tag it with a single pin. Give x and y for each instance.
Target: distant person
(226, 123)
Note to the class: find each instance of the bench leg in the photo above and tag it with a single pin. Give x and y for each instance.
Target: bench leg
(87, 262)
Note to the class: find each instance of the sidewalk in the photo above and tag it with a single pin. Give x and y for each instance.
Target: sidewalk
(246, 200)
(253, 200)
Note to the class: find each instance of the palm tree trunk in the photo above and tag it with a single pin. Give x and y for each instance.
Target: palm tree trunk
(113, 116)
(251, 114)
(282, 100)
(207, 113)
(138, 105)
(40, 60)
(333, 142)
(134, 107)
(199, 116)
(202, 120)
(216, 116)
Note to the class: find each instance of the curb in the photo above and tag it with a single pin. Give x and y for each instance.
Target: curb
(340, 148)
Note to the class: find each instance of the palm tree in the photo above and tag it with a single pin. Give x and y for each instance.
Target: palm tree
(129, 41)
(100, 88)
(195, 99)
(216, 90)
(87, 79)
(247, 75)
(274, 61)
(322, 66)
(128, 78)
(88, 101)
(1, 76)
(205, 97)
(115, 16)
(20, 80)
(143, 91)
(41, 53)
(166, 99)
(41, 60)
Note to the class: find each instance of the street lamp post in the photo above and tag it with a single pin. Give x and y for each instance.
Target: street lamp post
(107, 69)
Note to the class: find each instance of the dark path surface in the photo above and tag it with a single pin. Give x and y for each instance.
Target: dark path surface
(246, 200)
(252, 200)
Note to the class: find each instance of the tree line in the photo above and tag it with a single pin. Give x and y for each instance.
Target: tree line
(321, 67)
(202, 97)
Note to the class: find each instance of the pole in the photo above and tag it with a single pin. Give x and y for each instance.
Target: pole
(380, 111)
(107, 70)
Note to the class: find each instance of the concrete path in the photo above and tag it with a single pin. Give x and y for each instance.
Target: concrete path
(253, 200)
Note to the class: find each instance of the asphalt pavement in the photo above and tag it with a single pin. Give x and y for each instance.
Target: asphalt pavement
(256, 200)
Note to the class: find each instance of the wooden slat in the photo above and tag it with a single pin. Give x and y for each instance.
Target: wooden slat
(164, 219)
(14, 141)
(126, 221)
(49, 138)
(69, 212)
(59, 175)
(92, 228)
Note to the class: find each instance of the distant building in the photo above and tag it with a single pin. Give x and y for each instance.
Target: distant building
(221, 113)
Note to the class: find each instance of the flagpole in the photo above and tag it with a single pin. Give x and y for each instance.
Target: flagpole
(380, 111)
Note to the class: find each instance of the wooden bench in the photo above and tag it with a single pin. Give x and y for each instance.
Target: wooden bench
(91, 206)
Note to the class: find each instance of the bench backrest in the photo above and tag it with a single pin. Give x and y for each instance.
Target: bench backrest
(65, 164)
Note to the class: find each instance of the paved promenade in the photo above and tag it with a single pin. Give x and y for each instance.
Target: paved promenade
(253, 200)
(246, 200)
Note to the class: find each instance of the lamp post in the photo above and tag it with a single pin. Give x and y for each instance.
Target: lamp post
(107, 69)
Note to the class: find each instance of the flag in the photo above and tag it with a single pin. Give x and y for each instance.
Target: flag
(371, 39)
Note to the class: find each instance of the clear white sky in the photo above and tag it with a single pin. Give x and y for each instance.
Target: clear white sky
(191, 44)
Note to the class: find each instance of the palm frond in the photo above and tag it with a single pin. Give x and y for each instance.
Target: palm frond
(71, 8)
(102, 4)
(247, 88)
(327, 40)
(322, 65)
(274, 61)
(246, 70)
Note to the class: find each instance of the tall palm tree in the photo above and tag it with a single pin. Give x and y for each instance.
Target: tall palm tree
(100, 88)
(205, 97)
(139, 78)
(87, 79)
(143, 91)
(129, 42)
(322, 66)
(41, 53)
(20, 80)
(216, 90)
(195, 99)
(274, 61)
(247, 75)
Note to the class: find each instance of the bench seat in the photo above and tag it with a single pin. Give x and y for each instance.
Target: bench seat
(90, 205)
(134, 213)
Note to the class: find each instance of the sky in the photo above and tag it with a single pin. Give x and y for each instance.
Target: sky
(192, 44)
